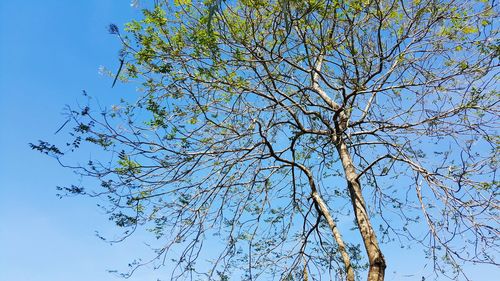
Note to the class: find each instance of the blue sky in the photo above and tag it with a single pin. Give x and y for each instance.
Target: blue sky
(50, 50)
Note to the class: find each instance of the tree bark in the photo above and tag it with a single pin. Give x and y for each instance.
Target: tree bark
(375, 257)
(336, 234)
(323, 209)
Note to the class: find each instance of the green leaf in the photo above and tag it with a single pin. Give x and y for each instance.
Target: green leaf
(182, 2)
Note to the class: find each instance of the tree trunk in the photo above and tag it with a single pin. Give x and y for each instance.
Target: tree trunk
(336, 234)
(375, 257)
(323, 209)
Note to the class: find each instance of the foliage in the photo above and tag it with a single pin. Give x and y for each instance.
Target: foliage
(265, 123)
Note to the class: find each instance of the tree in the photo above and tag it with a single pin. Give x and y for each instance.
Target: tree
(266, 123)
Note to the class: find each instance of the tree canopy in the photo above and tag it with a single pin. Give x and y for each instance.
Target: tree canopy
(276, 126)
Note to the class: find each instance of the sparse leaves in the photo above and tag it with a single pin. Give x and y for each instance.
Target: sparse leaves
(273, 125)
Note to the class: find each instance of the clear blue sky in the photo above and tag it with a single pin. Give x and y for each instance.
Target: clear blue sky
(49, 51)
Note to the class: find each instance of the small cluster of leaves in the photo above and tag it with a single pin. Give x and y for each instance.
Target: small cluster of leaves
(46, 148)
(127, 166)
